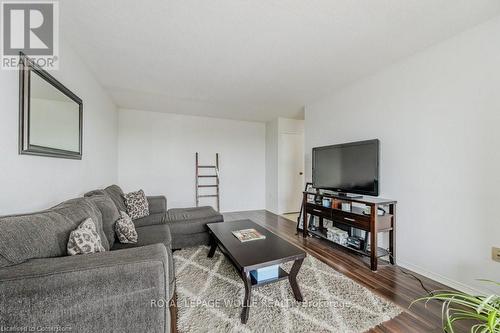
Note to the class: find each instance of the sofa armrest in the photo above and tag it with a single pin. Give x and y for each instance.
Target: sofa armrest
(157, 204)
(120, 290)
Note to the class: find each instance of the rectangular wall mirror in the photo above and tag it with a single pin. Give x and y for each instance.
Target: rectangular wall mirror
(51, 116)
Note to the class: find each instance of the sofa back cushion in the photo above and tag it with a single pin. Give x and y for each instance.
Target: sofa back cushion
(43, 234)
(78, 210)
(116, 194)
(110, 215)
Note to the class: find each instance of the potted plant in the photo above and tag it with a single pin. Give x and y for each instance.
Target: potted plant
(482, 311)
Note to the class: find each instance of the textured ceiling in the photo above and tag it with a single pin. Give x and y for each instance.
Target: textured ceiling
(251, 60)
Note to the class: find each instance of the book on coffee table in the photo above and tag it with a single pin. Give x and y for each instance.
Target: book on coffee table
(247, 235)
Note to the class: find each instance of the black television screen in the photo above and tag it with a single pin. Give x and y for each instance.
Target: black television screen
(349, 167)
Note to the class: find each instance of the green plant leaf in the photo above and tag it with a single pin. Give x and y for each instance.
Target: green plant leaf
(459, 306)
(493, 320)
(489, 281)
(484, 303)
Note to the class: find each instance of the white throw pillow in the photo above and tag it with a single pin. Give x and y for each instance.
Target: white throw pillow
(137, 204)
(85, 239)
(125, 229)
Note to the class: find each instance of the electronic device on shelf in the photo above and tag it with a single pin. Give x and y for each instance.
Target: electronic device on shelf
(356, 242)
(380, 211)
(318, 199)
(347, 168)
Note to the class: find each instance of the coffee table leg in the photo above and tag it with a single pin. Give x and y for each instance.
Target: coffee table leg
(213, 246)
(246, 303)
(293, 279)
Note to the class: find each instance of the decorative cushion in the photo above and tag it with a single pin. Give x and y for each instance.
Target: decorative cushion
(85, 239)
(125, 229)
(137, 204)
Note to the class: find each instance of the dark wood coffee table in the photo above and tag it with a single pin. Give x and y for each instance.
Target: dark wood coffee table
(249, 256)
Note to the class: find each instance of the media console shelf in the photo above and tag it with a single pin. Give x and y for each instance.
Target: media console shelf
(355, 218)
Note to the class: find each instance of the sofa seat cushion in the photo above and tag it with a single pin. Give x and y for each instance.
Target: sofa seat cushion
(191, 240)
(191, 220)
(153, 219)
(154, 234)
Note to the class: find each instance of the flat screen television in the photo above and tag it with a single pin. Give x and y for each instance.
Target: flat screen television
(347, 168)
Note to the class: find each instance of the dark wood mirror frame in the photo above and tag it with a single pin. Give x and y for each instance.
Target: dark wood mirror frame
(26, 67)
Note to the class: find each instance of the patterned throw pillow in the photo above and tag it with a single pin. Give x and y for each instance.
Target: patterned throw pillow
(125, 229)
(137, 204)
(84, 239)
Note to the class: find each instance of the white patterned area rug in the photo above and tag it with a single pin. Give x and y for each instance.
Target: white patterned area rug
(210, 295)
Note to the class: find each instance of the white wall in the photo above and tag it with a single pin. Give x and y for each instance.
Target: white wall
(32, 182)
(157, 153)
(272, 140)
(437, 116)
(274, 167)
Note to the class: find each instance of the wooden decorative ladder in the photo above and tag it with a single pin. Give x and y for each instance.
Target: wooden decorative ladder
(215, 176)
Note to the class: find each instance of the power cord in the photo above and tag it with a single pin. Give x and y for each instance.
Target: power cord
(412, 275)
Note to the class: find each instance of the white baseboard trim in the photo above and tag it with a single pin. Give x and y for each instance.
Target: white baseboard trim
(240, 211)
(434, 276)
(272, 211)
(440, 278)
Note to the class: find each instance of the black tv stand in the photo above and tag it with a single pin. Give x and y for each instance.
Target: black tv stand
(354, 218)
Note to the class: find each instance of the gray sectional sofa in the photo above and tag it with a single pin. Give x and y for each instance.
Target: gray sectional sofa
(111, 291)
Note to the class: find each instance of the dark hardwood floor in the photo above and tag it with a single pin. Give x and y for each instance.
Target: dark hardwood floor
(389, 281)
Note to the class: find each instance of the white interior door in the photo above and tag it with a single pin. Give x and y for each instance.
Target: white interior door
(291, 172)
